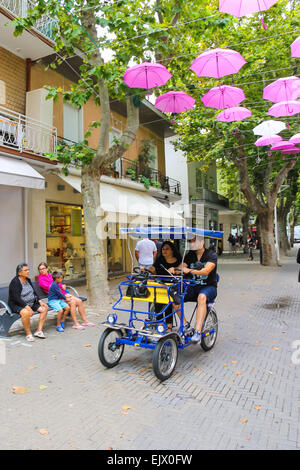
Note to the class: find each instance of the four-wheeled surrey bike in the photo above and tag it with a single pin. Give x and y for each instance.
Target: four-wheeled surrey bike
(145, 327)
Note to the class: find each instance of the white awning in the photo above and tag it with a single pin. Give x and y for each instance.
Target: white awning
(120, 200)
(14, 172)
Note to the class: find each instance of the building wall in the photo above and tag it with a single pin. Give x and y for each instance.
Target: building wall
(92, 112)
(12, 247)
(227, 220)
(12, 81)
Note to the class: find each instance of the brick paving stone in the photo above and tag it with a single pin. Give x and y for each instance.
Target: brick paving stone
(200, 407)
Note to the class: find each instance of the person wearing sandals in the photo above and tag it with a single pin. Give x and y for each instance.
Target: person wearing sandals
(58, 302)
(24, 300)
(45, 280)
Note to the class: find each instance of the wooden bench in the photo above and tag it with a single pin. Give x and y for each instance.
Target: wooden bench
(8, 317)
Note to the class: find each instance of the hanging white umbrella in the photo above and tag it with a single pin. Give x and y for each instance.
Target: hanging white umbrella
(268, 128)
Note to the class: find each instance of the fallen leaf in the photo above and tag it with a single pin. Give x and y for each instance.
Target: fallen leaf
(126, 407)
(244, 421)
(275, 349)
(225, 365)
(270, 372)
(43, 431)
(109, 448)
(53, 356)
(238, 372)
(43, 387)
(20, 390)
(124, 413)
(87, 345)
(257, 407)
(233, 362)
(143, 370)
(247, 438)
(31, 367)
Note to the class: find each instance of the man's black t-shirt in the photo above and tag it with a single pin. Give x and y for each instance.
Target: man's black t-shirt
(208, 256)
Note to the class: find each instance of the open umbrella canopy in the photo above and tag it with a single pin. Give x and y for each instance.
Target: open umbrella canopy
(234, 114)
(244, 7)
(269, 140)
(217, 63)
(295, 139)
(295, 48)
(283, 89)
(285, 108)
(268, 128)
(291, 150)
(146, 75)
(224, 96)
(283, 145)
(174, 102)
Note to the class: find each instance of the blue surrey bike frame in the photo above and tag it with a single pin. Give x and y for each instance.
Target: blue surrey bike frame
(146, 328)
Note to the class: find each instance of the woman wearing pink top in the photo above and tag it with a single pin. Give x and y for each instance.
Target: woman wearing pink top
(45, 280)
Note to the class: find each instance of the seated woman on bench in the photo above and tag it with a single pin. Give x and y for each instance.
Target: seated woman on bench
(205, 290)
(24, 300)
(169, 258)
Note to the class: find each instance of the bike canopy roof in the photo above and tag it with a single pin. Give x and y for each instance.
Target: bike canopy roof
(172, 233)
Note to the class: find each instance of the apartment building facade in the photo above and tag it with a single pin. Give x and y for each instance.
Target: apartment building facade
(41, 208)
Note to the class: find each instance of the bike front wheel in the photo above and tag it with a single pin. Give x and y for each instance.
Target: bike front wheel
(165, 357)
(109, 351)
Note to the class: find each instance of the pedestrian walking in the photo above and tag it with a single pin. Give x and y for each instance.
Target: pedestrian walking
(145, 252)
(231, 241)
(298, 261)
(250, 244)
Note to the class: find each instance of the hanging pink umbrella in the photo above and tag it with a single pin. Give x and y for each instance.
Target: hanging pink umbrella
(223, 97)
(283, 89)
(295, 139)
(146, 75)
(295, 48)
(284, 108)
(245, 7)
(174, 102)
(234, 114)
(217, 63)
(291, 150)
(283, 145)
(270, 140)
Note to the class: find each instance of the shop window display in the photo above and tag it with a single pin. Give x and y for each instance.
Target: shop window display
(65, 240)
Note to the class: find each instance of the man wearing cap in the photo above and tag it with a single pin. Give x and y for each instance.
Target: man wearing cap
(205, 290)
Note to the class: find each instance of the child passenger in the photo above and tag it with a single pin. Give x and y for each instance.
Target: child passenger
(57, 302)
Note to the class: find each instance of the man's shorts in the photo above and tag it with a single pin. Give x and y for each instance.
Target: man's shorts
(57, 305)
(192, 293)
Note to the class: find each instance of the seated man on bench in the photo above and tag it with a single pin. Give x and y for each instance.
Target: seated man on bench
(24, 300)
(205, 291)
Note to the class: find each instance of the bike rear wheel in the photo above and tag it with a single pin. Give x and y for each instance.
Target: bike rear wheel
(210, 323)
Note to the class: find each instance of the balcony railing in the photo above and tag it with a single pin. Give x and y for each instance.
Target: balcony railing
(210, 196)
(134, 170)
(25, 134)
(19, 8)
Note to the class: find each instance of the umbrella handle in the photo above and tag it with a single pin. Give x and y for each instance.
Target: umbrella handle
(263, 23)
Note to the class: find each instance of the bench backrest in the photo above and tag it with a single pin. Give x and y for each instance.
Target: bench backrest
(40, 292)
(4, 294)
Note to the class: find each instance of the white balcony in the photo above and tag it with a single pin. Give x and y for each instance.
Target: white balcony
(19, 8)
(26, 134)
(32, 44)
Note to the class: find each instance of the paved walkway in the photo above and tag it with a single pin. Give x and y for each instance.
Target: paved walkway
(243, 394)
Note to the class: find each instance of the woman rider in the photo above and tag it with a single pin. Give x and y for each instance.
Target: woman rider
(169, 258)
